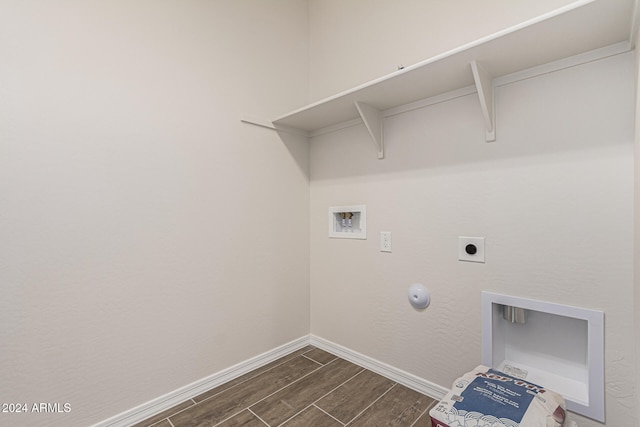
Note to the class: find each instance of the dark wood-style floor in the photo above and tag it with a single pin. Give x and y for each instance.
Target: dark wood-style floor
(309, 387)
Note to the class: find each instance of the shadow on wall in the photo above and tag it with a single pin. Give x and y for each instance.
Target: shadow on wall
(535, 117)
(298, 147)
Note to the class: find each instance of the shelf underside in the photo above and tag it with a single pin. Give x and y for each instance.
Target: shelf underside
(579, 28)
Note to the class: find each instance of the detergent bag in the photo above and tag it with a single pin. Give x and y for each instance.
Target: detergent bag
(485, 397)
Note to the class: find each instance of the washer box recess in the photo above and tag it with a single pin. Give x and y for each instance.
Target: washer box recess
(348, 222)
(556, 346)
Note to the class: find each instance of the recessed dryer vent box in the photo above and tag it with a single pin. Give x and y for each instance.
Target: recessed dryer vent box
(556, 346)
(348, 222)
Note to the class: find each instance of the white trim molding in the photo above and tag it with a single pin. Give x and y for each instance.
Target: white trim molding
(407, 379)
(162, 403)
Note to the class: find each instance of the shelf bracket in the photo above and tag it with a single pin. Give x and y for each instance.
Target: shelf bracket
(484, 86)
(257, 121)
(373, 120)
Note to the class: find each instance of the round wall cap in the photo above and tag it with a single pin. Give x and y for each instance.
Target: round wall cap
(419, 296)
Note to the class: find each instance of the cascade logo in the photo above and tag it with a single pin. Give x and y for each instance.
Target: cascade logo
(534, 388)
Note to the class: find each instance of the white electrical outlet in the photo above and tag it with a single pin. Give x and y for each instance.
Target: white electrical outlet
(471, 249)
(385, 241)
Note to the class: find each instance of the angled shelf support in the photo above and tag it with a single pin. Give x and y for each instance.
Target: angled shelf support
(484, 86)
(257, 121)
(373, 120)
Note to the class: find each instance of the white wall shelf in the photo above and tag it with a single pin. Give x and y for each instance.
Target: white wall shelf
(579, 27)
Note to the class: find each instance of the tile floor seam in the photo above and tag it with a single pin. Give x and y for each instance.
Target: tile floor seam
(254, 403)
(311, 406)
(328, 393)
(157, 423)
(315, 361)
(194, 402)
(282, 388)
(401, 414)
(323, 396)
(293, 416)
(337, 387)
(235, 414)
(258, 401)
(312, 403)
(253, 376)
(177, 412)
(359, 373)
(425, 411)
(319, 408)
(371, 404)
(293, 382)
(368, 406)
(171, 414)
(258, 417)
(330, 354)
(229, 417)
(419, 417)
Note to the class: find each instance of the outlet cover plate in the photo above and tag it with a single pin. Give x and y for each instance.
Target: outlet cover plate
(471, 249)
(385, 241)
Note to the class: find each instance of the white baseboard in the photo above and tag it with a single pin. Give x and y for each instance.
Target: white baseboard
(162, 403)
(411, 381)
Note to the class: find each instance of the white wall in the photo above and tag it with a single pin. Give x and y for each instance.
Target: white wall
(139, 251)
(637, 217)
(553, 196)
(141, 223)
(355, 41)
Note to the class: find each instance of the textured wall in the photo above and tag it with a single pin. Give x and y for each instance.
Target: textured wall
(553, 196)
(637, 221)
(148, 238)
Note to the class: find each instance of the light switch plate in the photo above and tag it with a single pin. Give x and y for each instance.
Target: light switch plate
(471, 249)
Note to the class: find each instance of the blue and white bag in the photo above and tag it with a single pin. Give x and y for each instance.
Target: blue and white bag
(485, 397)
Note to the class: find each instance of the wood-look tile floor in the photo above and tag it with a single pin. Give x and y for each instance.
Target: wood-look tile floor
(309, 387)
